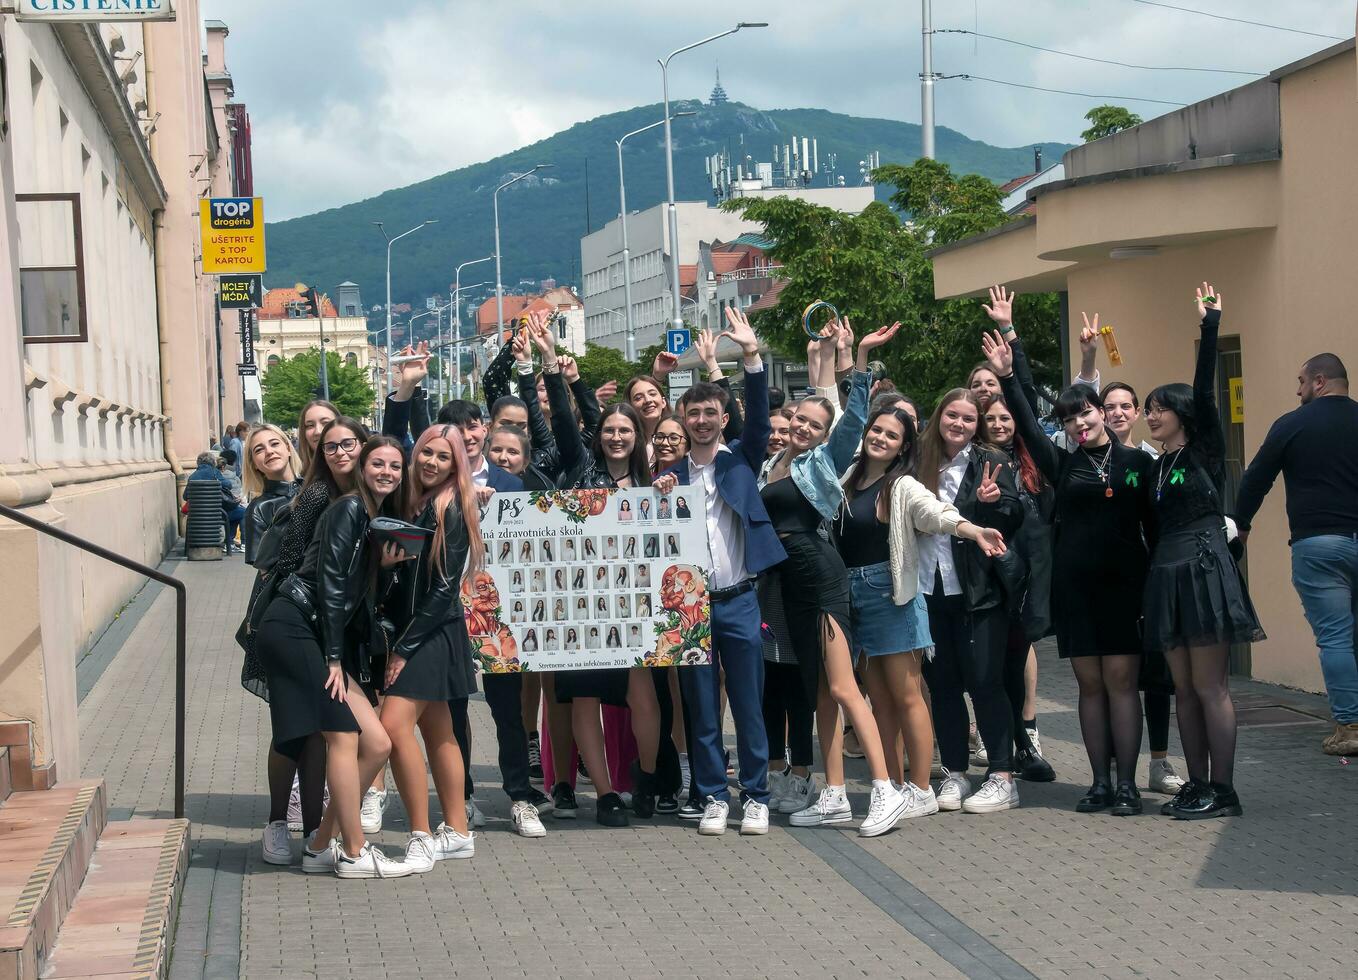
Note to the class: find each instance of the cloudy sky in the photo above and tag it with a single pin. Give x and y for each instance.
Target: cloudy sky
(349, 98)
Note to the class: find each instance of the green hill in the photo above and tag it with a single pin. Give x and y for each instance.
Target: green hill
(541, 221)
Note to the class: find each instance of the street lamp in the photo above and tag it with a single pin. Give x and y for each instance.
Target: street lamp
(457, 286)
(626, 252)
(671, 211)
(499, 286)
(457, 317)
(390, 243)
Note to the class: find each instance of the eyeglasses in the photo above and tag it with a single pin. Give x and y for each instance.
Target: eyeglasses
(672, 438)
(344, 445)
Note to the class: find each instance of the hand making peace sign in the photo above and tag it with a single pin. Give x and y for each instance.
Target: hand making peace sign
(988, 491)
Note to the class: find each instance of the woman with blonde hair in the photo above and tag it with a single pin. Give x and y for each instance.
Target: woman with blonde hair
(311, 422)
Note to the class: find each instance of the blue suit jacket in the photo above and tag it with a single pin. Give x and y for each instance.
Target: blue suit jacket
(500, 481)
(737, 471)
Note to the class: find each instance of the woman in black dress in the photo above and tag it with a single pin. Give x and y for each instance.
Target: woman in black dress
(617, 458)
(1196, 604)
(430, 662)
(311, 642)
(1099, 571)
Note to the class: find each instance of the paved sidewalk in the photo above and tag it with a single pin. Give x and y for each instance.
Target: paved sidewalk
(1041, 891)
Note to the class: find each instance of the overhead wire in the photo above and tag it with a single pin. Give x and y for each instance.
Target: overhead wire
(1059, 91)
(1238, 20)
(1102, 61)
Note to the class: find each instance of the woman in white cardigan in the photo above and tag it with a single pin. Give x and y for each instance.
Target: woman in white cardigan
(875, 534)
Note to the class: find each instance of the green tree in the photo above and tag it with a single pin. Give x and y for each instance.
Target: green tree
(599, 364)
(874, 269)
(290, 384)
(1105, 120)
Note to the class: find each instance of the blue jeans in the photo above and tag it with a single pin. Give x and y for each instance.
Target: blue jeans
(1325, 575)
(738, 650)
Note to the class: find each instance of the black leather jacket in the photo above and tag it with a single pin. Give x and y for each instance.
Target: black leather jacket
(989, 582)
(261, 513)
(422, 600)
(579, 466)
(334, 573)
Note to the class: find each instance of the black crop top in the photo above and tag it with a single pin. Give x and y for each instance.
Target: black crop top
(860, 537)
(789, 511)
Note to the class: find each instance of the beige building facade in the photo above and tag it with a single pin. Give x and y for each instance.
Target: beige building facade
(109, 377)
(1251, 190)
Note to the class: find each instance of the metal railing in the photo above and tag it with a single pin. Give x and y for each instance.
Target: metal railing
(180, 632)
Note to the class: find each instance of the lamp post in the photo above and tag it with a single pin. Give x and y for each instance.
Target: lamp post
(390, 243)
(495, 201)
(626, 252)
(671, 212)
(457, 317)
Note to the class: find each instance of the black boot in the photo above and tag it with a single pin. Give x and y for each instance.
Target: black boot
(1188, 794)
(643, 792)
(1032, 767)
(1216, 800)
(1099, 797)
(1126, 801)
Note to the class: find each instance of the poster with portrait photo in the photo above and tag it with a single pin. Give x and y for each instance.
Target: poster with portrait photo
(573, 584)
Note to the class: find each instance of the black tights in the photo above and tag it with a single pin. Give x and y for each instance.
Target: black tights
(669, 777)
(1157, 719)
(1110, 713)
(461, 732)
(310, 771)
(1202, 696)
(787, 709)
(1015, 661)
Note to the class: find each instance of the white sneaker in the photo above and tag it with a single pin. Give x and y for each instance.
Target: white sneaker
(1163, 777)
(475, 818)
(370, 813)
(449, 845)
(526, 821)
(277, 844)
(420, 853)
(977, 748)
(799, 792)
(370, 863)
(319, 862)
(295, 807)
(918, 802)
(951, 791)
(886, 805)
(831, 807)
(713, 822)
(778, 782)
(995, 794)
(755, 819)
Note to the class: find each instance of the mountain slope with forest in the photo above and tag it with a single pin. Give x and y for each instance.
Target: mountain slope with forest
(543, 217)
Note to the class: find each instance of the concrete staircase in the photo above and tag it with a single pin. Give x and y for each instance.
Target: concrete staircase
(80, 897)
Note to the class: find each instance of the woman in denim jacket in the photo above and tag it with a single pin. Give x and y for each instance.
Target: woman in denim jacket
(801, 491)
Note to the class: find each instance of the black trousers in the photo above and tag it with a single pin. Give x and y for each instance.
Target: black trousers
(1015, 660)
(503, 692)
(969, 657)
(786, 706)
(668, 776)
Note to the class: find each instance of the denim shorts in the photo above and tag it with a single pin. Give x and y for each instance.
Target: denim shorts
(879, 625)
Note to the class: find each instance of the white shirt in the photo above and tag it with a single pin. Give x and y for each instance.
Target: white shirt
(935, 550)
(481, 475)
(725, 533)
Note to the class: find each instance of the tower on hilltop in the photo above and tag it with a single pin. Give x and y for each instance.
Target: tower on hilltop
(718, 96)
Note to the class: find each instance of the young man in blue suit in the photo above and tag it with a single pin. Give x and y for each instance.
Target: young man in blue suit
(743, 544)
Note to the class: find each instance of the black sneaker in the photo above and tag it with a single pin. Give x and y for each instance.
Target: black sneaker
(610, 811)
(1029, 765)
(693, 808)
(1188, 793)
(581, 773)
(563, 802)
(1215, 800)
(1099, 797)
(534, 758)
(540, 800)
(666, 804)
(1126, 801)
(643, 792)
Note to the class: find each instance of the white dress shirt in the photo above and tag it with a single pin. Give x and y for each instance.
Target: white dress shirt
(935, 550)
(481, 475)
(725, 533)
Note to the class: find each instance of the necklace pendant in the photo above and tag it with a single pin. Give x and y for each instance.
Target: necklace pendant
(1108, 491)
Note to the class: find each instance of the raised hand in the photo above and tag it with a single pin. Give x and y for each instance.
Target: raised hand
(522, 347)
(410, 374)
(1001, 306)
(1207, 299)
(538, 320)
(705, 343)
(988, 491)
(874, 340)
(605, 392)
(1089, 334)
(740, 331)
(664, 363)
(569, 368)
(544, 341)
(998, 354)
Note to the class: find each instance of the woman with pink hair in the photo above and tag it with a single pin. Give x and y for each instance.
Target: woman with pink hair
(429, 658)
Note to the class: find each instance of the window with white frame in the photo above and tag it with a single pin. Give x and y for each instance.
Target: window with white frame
(51, 269)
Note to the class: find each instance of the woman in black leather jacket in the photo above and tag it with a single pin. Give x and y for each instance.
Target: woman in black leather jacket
(270, 474)
(616, 459)
(429, 662)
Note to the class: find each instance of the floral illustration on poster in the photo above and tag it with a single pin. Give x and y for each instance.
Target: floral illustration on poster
(589, 579)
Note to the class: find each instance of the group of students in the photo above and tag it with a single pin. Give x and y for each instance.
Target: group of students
(852, 549)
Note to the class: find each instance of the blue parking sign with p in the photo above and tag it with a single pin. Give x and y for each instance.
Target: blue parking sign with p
(678, 341)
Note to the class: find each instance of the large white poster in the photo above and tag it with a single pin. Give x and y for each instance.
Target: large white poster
(588, 579)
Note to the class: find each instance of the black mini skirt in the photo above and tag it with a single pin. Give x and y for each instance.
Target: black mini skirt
(1195, 595)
